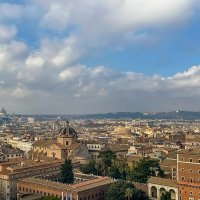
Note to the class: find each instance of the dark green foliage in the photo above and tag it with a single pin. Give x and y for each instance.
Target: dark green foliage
(50, 198)
(140, 195)
(143, 170)
(166, 196)
(67, 175)
(105, 160)
(90, 168)
(107, 157)
(119, 190)
(114, 172)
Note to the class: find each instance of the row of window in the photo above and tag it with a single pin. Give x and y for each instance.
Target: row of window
(100, 194)
(39, 192)
(36, 172)
(190, 193)
(93, 196)
(191, 179)
(189, 170)
(190, 160)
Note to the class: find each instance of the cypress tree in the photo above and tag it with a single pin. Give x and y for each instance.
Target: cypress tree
(67, 175)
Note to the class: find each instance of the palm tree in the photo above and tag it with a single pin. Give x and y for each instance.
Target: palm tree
(129, 193)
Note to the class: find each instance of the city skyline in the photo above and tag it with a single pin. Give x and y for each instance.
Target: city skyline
(99, 57)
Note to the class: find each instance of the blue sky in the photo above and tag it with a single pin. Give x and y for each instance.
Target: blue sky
(87, 53)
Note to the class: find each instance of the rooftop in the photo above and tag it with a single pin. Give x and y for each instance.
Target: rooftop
(84, 185)
(163, 181)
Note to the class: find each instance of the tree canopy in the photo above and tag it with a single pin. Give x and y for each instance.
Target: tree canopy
(144, 169)
(67, 175)
(90, 168)
(121, 190)
(105, 160)
(50, 198)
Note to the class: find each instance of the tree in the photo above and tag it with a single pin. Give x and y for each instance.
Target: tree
(140, 195)
(166, 196)
(50, 198)
(114, 172)
(105, 160)
(67, 175)
(122, 189)
(117, 190)
(144, 169)
(129, 193)
(89, 168)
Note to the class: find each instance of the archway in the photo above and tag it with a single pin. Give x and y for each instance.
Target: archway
(173, 194)
(154, 192)
(162, 191)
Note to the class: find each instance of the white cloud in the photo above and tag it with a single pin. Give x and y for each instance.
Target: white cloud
(19, 92)
(51, 78)
(96, 21)
(7, 33)
(10, 11)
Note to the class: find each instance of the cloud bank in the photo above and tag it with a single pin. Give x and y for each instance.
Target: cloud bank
(50, 78)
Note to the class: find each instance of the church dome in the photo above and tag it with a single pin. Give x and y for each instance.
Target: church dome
(68, 131)
(121, 131)
(3, 112)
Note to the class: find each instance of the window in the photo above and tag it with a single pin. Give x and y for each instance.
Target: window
(191, 170)
(182, 170)
(182, 159)
(182, 178)
(190, 159)
(199, 171)
(191, 179)
(191, 193)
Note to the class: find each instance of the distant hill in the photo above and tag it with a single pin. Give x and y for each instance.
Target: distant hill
(174, 115)
(184, 115)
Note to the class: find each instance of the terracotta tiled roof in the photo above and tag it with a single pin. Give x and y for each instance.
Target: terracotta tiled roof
(73, 146)
(85, 185)
(190, 151)
(163, 181)
(60, 146)
(43, 143)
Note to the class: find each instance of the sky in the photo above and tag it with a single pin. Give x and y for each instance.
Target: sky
(77, 57)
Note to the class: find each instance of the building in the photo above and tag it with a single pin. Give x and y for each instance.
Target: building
(158, 186)
(3, 113)
(140, 149)
(188, 176)
(169, 166)
(95, 148)
(15, 169)
(17, 142)
(31, 120)
(65, 146)
(8, 152)
(94, 188)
